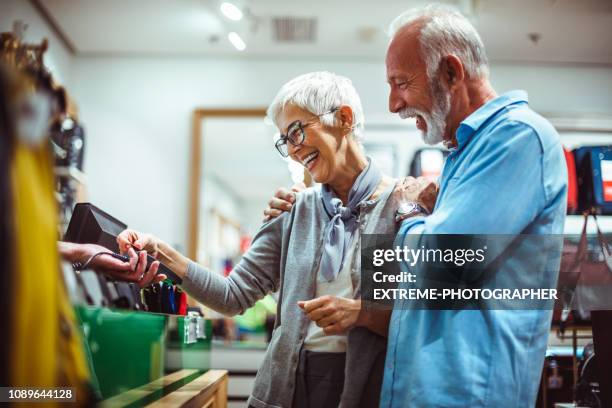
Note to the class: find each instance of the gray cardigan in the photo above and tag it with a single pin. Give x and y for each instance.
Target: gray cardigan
(285, 256)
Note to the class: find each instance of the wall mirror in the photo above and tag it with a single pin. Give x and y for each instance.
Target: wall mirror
(235, 170)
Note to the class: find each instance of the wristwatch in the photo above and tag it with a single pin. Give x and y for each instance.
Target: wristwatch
(409, 209)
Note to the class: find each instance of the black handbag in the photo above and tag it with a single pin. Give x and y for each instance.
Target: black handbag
(585, 277)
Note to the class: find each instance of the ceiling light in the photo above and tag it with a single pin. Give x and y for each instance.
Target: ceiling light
(231, 11)
(236, 41)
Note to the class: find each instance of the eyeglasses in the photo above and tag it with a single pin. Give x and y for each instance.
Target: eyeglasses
(295, 135)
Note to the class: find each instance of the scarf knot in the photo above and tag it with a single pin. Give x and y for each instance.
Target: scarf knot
(340, 231)
(345, 213)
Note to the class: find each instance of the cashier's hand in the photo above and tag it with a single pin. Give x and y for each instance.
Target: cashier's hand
(139, 241)
(418, 190)
(282, 201)
(335, 315)
(131, 271)
(105, 264)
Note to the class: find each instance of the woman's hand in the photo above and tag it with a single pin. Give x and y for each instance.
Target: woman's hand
(139, 241)
(334, 315)
(130, 239)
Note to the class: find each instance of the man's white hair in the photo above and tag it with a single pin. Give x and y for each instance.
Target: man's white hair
(320, 92)
(445, 31)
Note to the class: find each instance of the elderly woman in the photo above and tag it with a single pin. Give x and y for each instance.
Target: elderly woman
(325, 351)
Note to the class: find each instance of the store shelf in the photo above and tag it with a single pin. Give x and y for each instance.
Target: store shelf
(128, 349)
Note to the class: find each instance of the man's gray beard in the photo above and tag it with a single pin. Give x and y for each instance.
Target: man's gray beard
(439, 112)
(436, 120)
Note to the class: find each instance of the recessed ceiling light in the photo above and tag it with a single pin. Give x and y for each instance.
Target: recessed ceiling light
(230, 11)
(236, 41)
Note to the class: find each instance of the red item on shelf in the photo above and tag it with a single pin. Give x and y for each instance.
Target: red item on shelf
(572, 182)
(183, 304)
(245, 243)
(228, 266)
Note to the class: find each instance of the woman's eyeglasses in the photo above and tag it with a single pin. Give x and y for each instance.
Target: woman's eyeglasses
(295, 135)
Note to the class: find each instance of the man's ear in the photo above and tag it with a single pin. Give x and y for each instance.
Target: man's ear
(452, 71)
(345, 115)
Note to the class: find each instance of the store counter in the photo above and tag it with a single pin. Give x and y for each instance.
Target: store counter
(141, 358)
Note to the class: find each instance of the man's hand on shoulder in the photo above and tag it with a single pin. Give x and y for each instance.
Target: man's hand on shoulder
(282, 201)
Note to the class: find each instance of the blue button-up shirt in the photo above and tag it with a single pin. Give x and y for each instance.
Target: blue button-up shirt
(507, 175)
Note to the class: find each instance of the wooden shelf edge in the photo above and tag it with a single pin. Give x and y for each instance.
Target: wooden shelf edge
(210, 386)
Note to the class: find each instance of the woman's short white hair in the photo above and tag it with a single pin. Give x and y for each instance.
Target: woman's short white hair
(445, 31)
(319, 92)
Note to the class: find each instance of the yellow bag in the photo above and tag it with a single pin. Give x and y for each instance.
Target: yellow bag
(46, 345)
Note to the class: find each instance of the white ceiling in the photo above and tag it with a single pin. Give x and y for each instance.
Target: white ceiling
(570, 31)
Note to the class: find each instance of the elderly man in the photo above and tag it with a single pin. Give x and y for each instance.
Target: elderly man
(505, 175)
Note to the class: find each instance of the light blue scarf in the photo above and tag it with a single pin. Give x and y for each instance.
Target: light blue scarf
(340, 231)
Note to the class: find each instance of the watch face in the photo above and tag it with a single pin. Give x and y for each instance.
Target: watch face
(407, 208)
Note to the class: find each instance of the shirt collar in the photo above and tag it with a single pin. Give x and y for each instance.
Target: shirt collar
(472, 123)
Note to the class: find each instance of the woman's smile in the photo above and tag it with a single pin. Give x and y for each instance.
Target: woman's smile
(311, 160)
